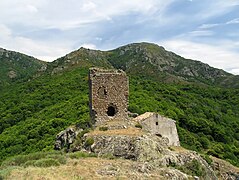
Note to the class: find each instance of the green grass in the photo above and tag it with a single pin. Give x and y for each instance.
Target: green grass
(78, 155)
(30, 159)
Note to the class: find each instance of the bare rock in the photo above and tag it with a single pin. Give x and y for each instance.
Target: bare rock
(66, 137)
(12, 74)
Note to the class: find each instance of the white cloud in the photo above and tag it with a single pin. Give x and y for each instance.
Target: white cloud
(25, 25)
(88, 6)
(219, 57)
(22, 22)
(234, 71)
(200, 33)
(4, 31)
(43, 50)
(233, 21)
(208, 26)
(70, 14)
(32, 8)
(89, 46)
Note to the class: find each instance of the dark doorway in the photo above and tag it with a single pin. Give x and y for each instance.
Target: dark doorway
(111, 111)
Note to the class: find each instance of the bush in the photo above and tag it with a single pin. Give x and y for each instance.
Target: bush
(77, 155)
(207, 158)
(60, 158)
(193, 168)
(103, 128)
(81, 134)
(46, 162)
(89, 141)
(29, 163)
(138, 126)
(108, 156)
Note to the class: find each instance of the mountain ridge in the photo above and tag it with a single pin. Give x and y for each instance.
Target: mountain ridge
(144, 59)
(150, 60)
(15, 66)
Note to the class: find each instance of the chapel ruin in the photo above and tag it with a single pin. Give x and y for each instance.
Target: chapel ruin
(160, 126)
(109, 91)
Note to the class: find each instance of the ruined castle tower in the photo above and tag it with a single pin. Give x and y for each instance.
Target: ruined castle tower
(109, 90)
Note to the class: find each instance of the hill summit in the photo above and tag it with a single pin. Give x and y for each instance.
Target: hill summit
(148, 60)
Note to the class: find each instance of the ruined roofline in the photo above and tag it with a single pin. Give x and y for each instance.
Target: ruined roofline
(146, 115)
(97, 70)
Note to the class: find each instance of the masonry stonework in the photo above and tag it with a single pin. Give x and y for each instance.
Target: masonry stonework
(109, 91)
(159, 125)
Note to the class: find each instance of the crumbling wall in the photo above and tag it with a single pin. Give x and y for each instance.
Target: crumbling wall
(109, 91)
(161, 126)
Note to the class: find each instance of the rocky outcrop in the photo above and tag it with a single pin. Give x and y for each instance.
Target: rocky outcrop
(224, 169)
(148, 153)
(149, 150)
(66, 138)
(12, 74)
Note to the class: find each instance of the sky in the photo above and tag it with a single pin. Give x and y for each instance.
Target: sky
(205, 30)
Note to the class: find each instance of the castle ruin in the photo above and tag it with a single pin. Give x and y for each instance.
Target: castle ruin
(109, 91)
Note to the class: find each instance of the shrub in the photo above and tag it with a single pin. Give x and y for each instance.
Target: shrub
(46, 162)
(29, 163)
(207, 158)
(138, 126)
(81, 134)
(193, 168)
(89, 141)
(108, 156)
(77, 155)
(103, 128)
(60, 158)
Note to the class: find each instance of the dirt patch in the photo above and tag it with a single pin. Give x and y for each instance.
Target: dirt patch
(128, 132)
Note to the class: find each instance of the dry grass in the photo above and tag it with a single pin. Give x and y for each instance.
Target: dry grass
(224, 165)
(89, 168)
(128, 132)
(179, 149)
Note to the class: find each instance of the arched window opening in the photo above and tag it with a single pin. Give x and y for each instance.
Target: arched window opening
(102, 92)
(111, 111)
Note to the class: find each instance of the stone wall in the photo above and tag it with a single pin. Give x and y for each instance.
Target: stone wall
(159, 125)
(109, 91)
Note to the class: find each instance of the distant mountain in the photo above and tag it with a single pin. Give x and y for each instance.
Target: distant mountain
(16, 66)
(153, 60)
(148, 60)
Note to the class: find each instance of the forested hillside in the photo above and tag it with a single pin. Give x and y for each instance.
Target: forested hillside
(32, 112)
(15, 66)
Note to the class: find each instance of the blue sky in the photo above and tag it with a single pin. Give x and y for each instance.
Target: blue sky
(205, 30)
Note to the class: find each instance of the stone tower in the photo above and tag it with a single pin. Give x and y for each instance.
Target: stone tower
(109, 91)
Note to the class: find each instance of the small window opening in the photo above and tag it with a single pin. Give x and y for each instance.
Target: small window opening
(111, 111)
(157, 123)
(102, 92)
(159, 135)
